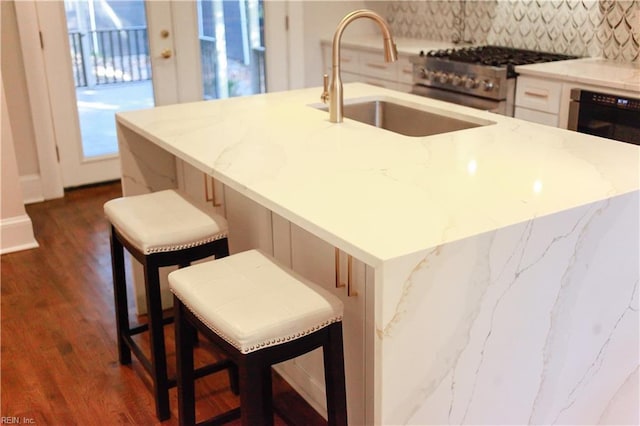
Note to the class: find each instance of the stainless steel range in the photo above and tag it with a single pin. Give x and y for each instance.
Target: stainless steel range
(480, 77)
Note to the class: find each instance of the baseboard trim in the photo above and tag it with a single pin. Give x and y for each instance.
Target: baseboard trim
(31, 189)
(306, 386)
(16, 233)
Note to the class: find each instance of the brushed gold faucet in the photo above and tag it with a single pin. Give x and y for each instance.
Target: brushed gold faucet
(334, 93)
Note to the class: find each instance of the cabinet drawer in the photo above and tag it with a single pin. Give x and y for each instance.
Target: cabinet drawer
(387, 84)
(405, 70)
(373, 64)
(536, 116)
(540, 95)
(348, 60)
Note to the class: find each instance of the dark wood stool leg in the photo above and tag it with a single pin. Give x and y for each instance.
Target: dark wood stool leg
(334, 376)
(255, 391)
(184, 353)
(196, 340)
(234, 380)
(156, 339)
(120, 298)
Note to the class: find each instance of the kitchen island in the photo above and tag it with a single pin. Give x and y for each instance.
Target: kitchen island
(490, 275)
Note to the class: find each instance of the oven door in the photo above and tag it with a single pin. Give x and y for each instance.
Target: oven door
(607, 116)
(499, 107)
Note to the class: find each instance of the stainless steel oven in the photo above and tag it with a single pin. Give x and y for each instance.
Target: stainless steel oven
(601, 114)
(481, 77)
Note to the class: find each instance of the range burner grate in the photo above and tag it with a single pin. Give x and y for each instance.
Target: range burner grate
(497, 56)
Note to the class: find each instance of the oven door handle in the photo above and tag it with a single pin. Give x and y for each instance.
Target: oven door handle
(574, 115)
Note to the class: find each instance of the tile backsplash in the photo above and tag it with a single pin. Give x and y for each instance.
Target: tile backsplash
(605, 28)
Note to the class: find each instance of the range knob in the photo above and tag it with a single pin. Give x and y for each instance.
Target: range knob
(423, 73)
(487, 85)
(456, 80)
(443, 78)
(470, 83)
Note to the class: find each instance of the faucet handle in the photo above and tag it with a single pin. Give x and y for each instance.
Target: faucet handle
(325, 91)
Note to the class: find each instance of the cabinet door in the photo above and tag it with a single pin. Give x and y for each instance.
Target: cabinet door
(200, 186)
(315, 259)
(249, 223)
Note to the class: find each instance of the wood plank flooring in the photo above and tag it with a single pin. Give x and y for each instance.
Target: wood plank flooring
(59, 359)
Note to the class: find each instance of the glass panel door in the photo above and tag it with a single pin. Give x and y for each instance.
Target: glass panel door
(232, 47)
(111, 67)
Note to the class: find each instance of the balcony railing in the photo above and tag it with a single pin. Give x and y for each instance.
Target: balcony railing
(209, 67)
(110, 56)
(104, 57)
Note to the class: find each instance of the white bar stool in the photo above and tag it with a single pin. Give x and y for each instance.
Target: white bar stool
(259, 313)
(159, 229)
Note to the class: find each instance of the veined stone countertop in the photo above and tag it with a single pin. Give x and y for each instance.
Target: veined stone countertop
(595, 71)
(379, 195)
(502, 279)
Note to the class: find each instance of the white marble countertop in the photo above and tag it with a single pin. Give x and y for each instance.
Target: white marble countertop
(379, 195)
(373, 42)
(594, 71)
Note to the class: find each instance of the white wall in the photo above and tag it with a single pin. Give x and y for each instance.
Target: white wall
(16, 230)
(320, 21)
(18, 103)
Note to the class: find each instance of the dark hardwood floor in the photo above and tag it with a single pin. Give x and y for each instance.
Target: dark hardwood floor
(59, 359)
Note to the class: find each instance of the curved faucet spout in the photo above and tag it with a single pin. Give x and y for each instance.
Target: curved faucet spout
(336, 101)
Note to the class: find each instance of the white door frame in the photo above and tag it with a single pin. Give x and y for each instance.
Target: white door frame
(284, 40)
(40, 104)
(51, 125)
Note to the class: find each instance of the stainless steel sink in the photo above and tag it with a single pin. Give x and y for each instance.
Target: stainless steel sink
(408, 119)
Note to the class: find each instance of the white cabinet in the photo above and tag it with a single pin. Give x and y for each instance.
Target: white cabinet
(200, 186)
(369, 67)
(536, 116)
(249, 224)
(373, 64)
(316, 260)
(253, 226)
(538, 100)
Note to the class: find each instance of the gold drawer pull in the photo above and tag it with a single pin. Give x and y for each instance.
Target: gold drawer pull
(211, 198)
(536, 94)
(350, 291)
(338, 283)
(379, 66)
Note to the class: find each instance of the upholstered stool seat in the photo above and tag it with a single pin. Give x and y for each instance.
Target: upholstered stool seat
(259, 313)
(165, 221)
(165, 228)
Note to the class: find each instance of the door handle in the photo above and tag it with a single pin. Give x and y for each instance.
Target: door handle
(166, 53)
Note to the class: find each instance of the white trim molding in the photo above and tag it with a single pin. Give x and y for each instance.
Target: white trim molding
(31, 186)
(16, 233)
(35, 72)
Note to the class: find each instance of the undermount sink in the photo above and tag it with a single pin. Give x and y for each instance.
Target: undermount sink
(406, 118)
